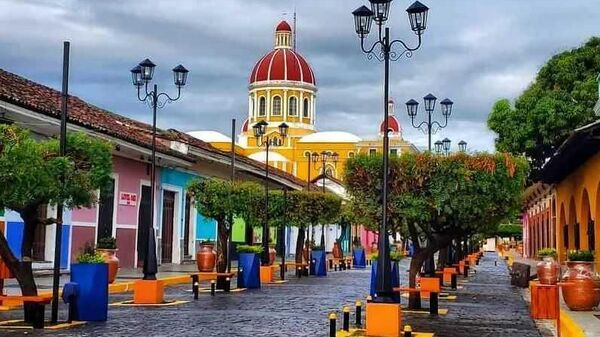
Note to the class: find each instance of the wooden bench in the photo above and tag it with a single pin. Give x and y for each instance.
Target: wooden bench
(210, 276)
(433, 298)
(343, 263)
(300, 268)
(38, 302)
(448, 275)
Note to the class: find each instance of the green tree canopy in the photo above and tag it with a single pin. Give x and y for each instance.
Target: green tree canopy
(30, 176)
(560, 99)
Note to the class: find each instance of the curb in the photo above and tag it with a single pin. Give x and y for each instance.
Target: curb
(568, 326)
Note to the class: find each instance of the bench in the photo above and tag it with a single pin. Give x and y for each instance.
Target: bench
(301, 268)
(210, 276)
(448, 275)
(39, 303)
(343, 263)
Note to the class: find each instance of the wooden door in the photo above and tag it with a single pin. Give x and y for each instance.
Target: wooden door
(39, 236)
(168, 213)
(106, 209)
(187, 225)
(143, 224)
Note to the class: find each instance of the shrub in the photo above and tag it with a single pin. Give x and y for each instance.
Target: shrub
(107, 243)
(249, 249)
(89, 255)
(581, 255)
(547, 252)
(394, 256)
(207, 242)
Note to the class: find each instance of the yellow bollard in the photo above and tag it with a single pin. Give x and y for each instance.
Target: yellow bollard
(407, 331)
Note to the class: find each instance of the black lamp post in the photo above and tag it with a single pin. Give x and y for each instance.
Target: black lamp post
(446, 145)
(324, 157)
(429, 126)
(363, 17)
(141, 76)
(262, 139)
(462, 146)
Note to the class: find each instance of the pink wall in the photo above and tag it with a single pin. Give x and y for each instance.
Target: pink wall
(367, 238)
(130, 174)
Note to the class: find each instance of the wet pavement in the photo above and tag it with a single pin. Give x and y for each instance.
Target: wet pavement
(486, 306)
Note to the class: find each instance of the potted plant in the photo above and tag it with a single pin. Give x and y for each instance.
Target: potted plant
(580, 290)
(91, 275)
(206, 257)
(358, 254)
(547, 269)
(272, 252)
(319, 260)
(395, 257)
(107, 247)
(249, 266)
(337, 249)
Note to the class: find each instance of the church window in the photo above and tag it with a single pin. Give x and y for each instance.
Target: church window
(276, 106)
(305, 108)
(372, 151)
(350, 154)
(394, 152)
(262, 106)
(293, 106)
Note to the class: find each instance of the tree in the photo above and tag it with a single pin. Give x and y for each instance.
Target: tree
(437, 199)
(560, 99)
(30, 176)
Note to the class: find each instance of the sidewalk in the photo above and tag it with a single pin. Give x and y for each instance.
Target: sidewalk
(573, 323)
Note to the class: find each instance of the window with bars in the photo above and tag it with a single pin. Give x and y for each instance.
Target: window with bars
(262, 106)
(276, 106)
(293, 106)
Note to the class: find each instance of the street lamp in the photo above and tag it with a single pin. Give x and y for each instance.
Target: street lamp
(462, 146)
(262, 139)
(324, 157)
(141, 76)
(379, 13)
(438, 147)
(446, 144)
(429, 127)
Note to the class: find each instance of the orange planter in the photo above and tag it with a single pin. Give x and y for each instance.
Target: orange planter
(544, 301)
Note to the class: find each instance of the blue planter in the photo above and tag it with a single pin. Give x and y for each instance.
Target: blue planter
(92, 299)
(395, 279)
(249, 264)
(359, 259)
(320, 262)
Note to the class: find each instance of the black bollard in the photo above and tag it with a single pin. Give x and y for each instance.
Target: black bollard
(346, 322)
(213, 287)
(358, 314)
(407, 331)
(331, 264)
(240, 280)
(453, 281)
(466, 271)
(332, 321)
(195, 285)
(433, 304)
(495, 263)
(299, 272)
(227, 287)
(335, 267)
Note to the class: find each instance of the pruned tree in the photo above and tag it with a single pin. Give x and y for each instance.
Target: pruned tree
(437, 199)
(30, 176)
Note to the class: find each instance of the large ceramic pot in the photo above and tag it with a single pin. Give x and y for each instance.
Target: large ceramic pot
(548, 270)
(111, 259)
(581, 289)
(206, 257)
(272, 254)
(337, 250)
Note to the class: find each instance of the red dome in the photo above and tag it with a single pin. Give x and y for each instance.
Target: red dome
(282, 64)
(393, 125)
(283, 26)
(245, 125)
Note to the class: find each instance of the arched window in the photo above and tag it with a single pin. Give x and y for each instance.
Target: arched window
(262, 106)
(305, 108)
(350, 154)
(276, 106)
(293, 106)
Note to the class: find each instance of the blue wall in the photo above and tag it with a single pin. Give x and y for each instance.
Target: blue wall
(205, 227)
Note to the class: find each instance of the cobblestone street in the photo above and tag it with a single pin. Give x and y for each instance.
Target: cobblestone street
(486, 306)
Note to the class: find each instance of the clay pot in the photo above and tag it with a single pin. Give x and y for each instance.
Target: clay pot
(337, 251)
(272, 254)
(548, 270)
(206, 257)
(581, 290)
(113, 262)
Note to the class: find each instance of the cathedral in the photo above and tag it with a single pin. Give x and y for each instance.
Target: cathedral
(283, 89)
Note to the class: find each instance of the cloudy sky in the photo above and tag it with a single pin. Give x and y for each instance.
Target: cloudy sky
(474, 52)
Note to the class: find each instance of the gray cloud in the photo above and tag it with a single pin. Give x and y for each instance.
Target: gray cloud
(473, 52)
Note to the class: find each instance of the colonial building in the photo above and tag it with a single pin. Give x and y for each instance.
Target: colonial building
(283, 89)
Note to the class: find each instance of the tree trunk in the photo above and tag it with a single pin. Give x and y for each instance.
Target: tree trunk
(222, 248)
(443, 258)
(414, 299)
(300, 244)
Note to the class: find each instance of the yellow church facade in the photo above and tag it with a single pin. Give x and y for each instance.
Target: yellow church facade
(283, 89)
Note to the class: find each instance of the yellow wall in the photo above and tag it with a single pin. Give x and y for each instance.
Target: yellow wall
(575, 195)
